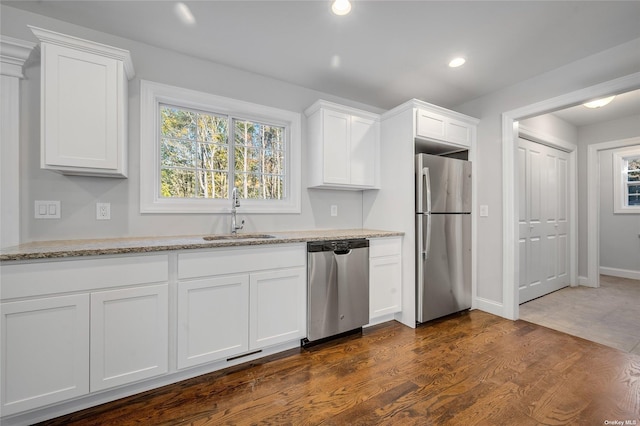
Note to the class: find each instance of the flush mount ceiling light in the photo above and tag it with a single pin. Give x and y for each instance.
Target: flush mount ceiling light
(599, 102)
(457, 62)
(341, 7)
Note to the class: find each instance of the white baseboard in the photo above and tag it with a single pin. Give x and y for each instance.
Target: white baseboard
(584, 281)
(622, 273)
(489, 306)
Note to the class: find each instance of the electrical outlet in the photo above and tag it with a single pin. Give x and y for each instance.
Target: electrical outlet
(47, 209)
(103, 211)
(334, 210)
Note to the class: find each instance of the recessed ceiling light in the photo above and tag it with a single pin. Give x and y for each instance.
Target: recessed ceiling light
(599, 102)
(341, 7)
(457, 62)
(184, 13)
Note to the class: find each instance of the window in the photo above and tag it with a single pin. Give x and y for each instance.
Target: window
(626, 164)
(196, 147)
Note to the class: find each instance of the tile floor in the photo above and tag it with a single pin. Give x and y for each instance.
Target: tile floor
(609, 315)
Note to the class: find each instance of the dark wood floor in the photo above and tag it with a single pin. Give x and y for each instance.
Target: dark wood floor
(470, 369)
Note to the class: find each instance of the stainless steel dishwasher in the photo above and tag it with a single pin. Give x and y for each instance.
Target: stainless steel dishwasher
(338, 288)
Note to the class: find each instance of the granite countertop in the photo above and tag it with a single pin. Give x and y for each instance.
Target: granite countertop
(73, 248)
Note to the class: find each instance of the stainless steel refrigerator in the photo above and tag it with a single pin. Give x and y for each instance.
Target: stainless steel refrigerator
(443, 236)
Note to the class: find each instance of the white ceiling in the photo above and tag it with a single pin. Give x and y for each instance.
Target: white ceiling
(623, 105)
(389, 51)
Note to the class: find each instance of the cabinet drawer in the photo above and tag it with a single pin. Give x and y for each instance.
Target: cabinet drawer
(41, 278)
(236, 260)
(379, 247)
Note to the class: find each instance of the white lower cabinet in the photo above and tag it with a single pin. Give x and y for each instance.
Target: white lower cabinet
(129, 335)
(277, 307)
(385, 277)
(232, 302)
(213, 319)
(73, 327)
(45, 348)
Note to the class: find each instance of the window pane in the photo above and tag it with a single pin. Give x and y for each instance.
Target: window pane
(176, 153)
(633, 176)
(259, 135)
(177, 183)
(634, 200)
(634, 189)
(259, 160)
(213, 184)
(178, 123)
(633, 164)
(195, 150)
(212, 157)
(212, 128)
(258, 186)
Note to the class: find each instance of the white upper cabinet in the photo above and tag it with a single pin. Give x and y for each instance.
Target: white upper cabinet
(444, 126)
(344, 146)
(83, 105)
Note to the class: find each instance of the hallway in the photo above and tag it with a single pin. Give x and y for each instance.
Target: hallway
(607, 315)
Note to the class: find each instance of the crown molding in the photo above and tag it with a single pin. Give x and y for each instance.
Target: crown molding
(13, 55)
(52, 37)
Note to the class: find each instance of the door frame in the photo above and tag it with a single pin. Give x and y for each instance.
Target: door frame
(593, 205)
(561, 145)
(510, 133)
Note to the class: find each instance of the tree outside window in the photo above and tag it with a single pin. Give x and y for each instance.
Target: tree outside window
(196, 152)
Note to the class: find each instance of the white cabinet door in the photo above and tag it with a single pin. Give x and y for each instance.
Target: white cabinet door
(84, 106)
(213, 319)
(80, 114)
(336, 147)
(385, 276)
(344, 147)
(385, 285)
(363, 148)
(45, 351)
(278, 307)
(129, 335)
(431, 125)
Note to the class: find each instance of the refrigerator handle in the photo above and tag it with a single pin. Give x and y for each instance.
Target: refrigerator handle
(427, 194)
(427, 188)
(427, 243)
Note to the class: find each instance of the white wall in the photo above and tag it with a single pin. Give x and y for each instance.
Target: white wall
(78, 195)
(605, 66)
(550, 125)
(619, 242)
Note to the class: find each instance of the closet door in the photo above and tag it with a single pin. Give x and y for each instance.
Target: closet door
(543, 184)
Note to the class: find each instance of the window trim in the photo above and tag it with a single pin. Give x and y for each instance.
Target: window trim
(152, 95)
(620, 183)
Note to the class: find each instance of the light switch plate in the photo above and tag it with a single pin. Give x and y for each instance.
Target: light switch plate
(484, 210)
(334, 210)
(47, 209)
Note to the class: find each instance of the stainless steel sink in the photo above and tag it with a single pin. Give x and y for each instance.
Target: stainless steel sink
(237, 237)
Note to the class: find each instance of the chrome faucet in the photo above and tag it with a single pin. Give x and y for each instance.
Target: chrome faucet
(235, 202)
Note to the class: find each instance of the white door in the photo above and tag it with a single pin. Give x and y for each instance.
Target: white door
(278, 307)
(44, 351)
(543, 184)
(336, 147)
(213, 319)
(129, 335)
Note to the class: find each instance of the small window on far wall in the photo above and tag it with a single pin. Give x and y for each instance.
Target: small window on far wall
(196, 147)
(626, 189)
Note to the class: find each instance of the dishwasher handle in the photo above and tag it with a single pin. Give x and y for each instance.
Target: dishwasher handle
(340, 247)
